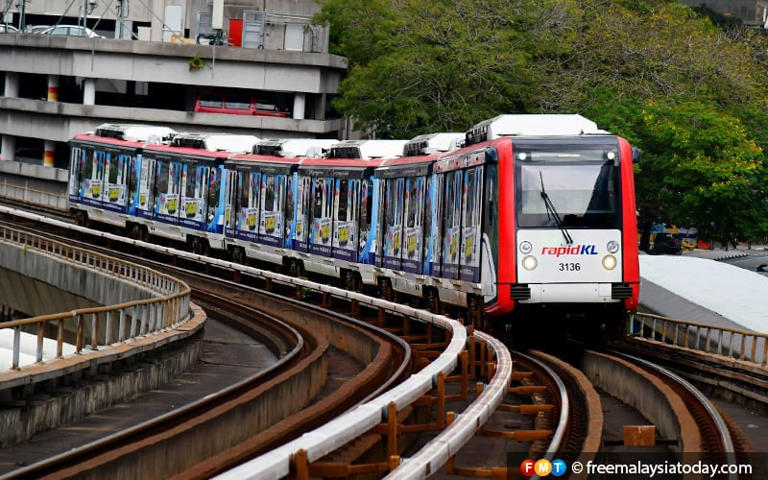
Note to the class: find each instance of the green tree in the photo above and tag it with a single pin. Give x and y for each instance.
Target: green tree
(689, 93)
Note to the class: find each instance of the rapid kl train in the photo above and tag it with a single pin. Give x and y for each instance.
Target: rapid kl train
(521, 211)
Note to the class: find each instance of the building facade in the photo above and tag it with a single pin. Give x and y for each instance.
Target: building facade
(750, 12)
(53, 87)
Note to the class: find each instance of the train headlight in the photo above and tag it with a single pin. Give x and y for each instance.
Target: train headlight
(530, 262)
(613, 246)
(526, 248)
(609, 262)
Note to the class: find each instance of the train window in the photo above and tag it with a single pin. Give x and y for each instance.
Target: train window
(318, 198)
(470, 225)
(88, 164)
(189, 184)
(214, 187)
(342, 199)
(583, 195)
(269, 193)
(437, 196)
(490, 211)
(75, 171)
(233, 192)
(452, 223)
(162, 177)
(112, 168)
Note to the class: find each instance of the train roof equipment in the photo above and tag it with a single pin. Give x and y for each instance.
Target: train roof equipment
(532, 125)
(430, 143)
(294, 147)
(134, 133)
(367, 149)
(215, 142)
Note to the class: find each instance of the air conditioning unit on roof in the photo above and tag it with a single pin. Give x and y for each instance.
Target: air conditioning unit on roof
(532, 125)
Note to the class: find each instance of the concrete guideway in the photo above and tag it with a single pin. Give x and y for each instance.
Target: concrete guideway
(139, 302)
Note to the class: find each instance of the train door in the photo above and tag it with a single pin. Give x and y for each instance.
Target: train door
(167, 190)
(89, 178)
(438, 202)
(98, 163)
(115, 173)
(291, 183)
(194, 194)
(147, 179)
(322, 216)
(393, 236)
(452, 224)
(76, 165)
(249, 187)
(303, 209)
(132, 180)
(231, 194)
(413, 219)
(214, 216)
(379, 203)
(471, 223)
(345, 218)
(367, 221)
(272, 204)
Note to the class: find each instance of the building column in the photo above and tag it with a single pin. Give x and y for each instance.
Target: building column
(299, 101)
(8, 151)
(50, 148)
(11, 84)
(53, 88)
(89, 91)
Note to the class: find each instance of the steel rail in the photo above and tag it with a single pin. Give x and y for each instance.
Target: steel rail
(562, 423)
(336, 433)
(96, 447)
(722, 428)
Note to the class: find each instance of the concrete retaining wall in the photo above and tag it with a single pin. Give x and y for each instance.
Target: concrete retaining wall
(76, 396)
(626, 382)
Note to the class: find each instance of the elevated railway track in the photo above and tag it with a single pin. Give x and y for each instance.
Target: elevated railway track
(378, 432)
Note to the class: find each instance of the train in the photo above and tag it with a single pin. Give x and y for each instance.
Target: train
(521, 212)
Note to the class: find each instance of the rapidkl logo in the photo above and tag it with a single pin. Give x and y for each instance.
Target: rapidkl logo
(570, 250)
(543, 468)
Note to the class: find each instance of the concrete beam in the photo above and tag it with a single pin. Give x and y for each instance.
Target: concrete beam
(61, 121)
(149, 61)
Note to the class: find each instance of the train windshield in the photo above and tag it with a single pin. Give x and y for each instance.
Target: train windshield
(581, 186)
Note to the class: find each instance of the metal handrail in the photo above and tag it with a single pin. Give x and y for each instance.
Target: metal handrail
(730, 342)
(168, 306)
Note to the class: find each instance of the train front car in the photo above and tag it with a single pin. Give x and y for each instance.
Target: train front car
(567, 224)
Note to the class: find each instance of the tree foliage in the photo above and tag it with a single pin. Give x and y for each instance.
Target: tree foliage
(692, 95)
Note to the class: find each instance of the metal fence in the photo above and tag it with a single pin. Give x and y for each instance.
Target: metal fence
(738, 344)
(98, 326)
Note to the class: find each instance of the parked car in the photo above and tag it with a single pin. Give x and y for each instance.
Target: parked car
(36, 29)
(72, 31)
(236, 104)
(5, 28)
(668, 243)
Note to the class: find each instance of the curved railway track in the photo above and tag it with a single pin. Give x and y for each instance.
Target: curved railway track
(275, 319)
(566, 410)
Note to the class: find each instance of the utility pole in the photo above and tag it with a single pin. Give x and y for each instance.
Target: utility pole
(22, 6)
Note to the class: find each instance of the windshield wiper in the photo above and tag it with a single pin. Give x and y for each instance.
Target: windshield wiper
(552, 212)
